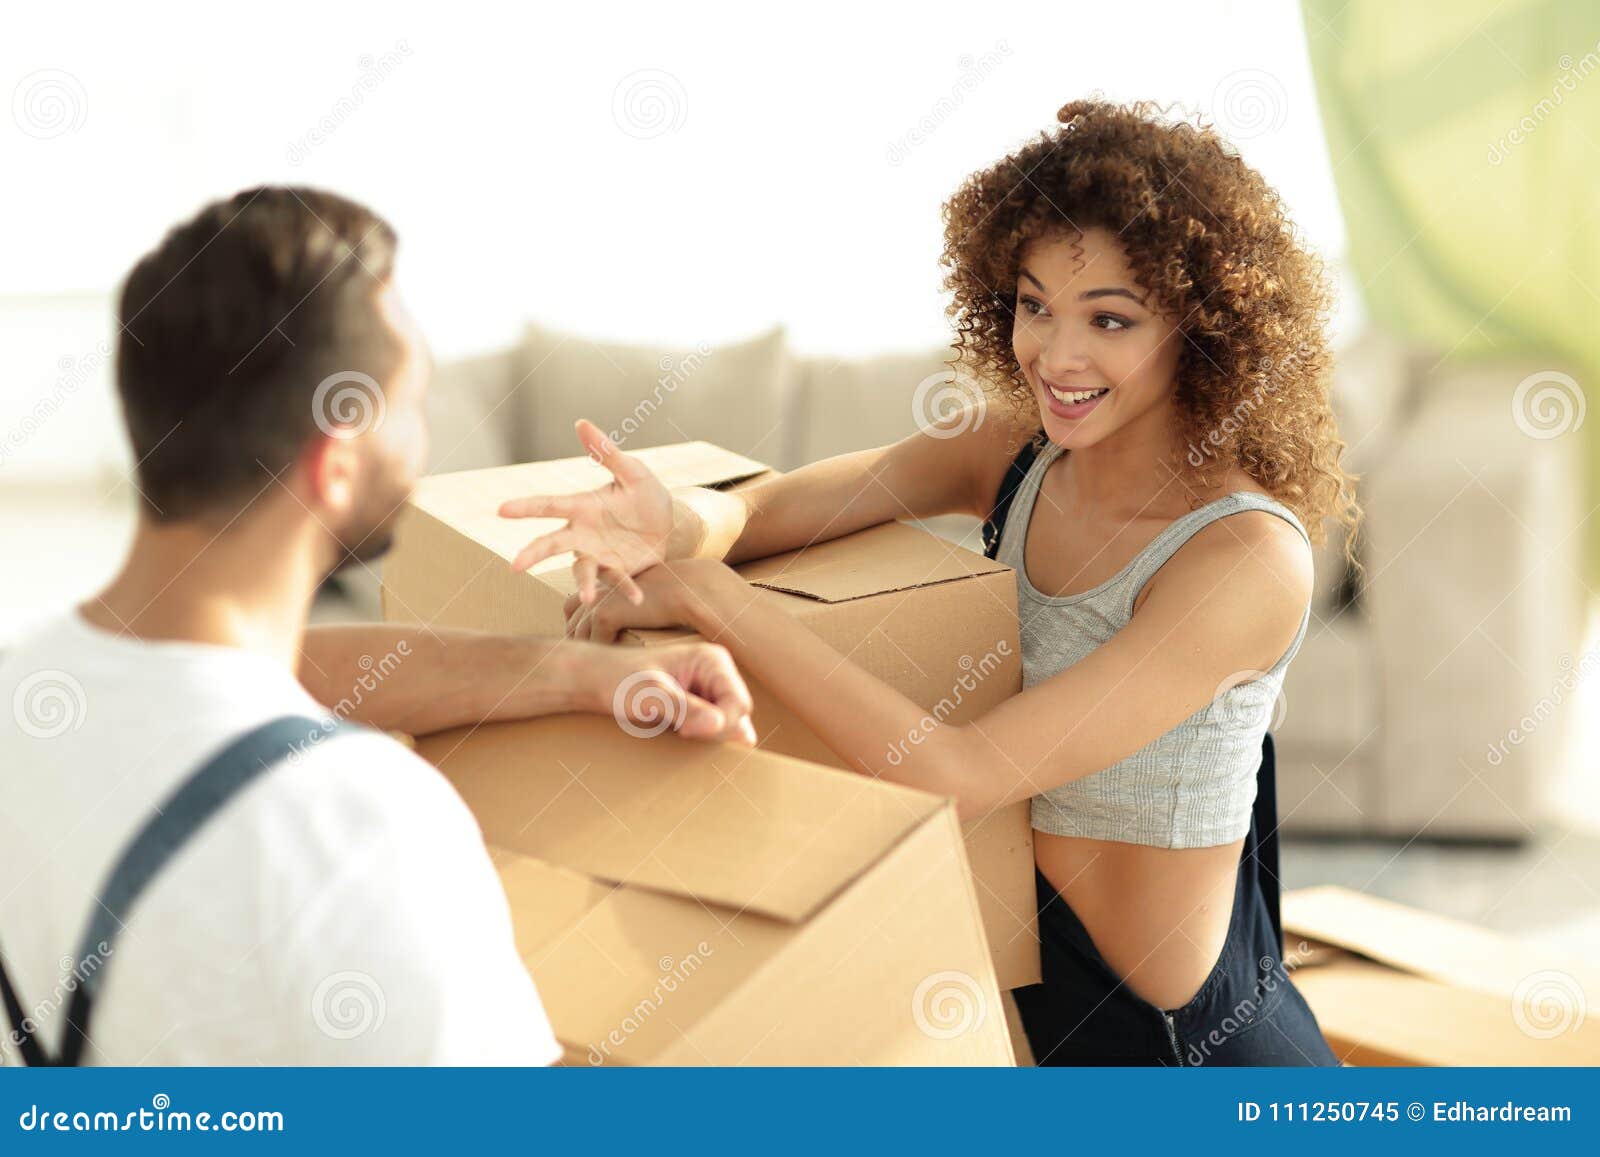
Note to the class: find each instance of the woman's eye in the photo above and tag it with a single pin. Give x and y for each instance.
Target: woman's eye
(1114, 322)
(1032, 307)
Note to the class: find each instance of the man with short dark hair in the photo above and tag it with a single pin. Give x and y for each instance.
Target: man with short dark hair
(208, 891)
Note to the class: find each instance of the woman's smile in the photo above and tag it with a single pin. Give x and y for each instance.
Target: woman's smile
(1072, 403)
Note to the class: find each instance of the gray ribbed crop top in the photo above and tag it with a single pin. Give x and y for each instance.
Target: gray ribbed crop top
(1190, 788)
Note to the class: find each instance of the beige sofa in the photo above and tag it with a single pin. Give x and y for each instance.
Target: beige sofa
(1390, 711)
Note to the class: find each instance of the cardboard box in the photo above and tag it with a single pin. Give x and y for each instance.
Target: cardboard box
(682, 903)
(1392, 985)
(934, 621)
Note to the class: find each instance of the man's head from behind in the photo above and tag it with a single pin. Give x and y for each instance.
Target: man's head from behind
(265, 357)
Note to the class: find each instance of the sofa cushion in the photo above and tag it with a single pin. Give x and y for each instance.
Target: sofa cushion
(648, 395)
(839, 405)
(1372, 394)
(470, 422)
(1327, 733)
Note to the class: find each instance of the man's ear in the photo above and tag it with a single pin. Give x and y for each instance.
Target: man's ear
(331, 469)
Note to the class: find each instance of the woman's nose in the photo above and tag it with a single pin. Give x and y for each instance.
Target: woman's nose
(1062, 356)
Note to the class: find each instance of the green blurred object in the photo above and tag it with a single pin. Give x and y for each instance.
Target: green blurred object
(1465, 141)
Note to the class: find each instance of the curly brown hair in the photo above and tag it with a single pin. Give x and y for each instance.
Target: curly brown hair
(1214, 245)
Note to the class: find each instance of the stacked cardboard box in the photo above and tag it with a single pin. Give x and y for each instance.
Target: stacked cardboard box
(683, 903)
(934, 621)
(1392, 985)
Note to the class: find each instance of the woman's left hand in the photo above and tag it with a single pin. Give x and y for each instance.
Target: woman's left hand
(674, 594)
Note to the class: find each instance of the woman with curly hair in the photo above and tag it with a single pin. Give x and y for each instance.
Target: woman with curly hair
(1154, 453)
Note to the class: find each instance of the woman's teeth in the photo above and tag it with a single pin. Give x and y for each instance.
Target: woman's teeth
(1072, 397)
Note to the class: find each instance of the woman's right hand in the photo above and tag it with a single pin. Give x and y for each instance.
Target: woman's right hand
(622, 528)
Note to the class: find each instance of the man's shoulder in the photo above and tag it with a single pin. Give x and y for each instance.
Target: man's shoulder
(340, 768)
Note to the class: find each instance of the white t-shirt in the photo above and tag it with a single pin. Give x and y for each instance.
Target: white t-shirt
(341, 909)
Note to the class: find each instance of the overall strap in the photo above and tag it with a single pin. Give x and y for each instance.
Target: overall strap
(995, 525)
(178, 818)
(1266, 823)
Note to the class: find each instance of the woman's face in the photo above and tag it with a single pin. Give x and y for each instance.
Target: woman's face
(1098, 359)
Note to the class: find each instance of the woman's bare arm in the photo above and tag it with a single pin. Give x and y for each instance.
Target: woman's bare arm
(1228, 603)
(954, 468)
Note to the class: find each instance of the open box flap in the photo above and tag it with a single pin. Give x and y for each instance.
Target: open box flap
(1423, 943)
(546, 900)
(603, 957)
(468, 500)
(891, 557)
(725, 825)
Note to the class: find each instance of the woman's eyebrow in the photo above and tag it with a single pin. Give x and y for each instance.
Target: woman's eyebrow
(1088, 294)
(1116, 291)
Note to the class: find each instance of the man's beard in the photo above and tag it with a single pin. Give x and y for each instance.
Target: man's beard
(369, 531)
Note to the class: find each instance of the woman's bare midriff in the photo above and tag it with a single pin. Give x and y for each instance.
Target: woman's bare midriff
(1158, 916)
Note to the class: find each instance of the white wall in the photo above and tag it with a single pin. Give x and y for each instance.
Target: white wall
(658, 171)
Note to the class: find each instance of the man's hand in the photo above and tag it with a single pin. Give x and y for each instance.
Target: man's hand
(691, 688)
(615, 531)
